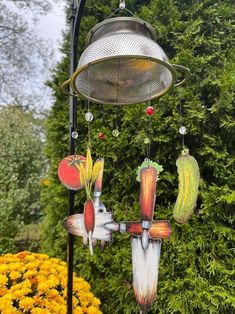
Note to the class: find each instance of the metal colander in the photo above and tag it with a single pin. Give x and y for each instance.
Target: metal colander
(123, 64)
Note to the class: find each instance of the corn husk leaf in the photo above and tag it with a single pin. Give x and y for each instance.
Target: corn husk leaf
(98, 166)
(89, 164)
(78, 166)
(82, 171)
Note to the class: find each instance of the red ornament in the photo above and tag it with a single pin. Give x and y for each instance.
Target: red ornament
(102, 136)
(149, 110)
(69, 174)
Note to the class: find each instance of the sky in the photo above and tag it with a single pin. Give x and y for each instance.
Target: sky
(50, 27)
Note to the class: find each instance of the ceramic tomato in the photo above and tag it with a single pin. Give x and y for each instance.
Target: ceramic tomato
(69, 173)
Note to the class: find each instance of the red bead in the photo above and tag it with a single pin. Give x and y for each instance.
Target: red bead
(102, 136)
(149, 110)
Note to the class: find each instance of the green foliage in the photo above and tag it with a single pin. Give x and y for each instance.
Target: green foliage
(148, 163)
(197, 265)
(20, 170)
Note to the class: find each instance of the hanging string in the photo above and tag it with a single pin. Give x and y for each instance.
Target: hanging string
(88, 112)
(182, 129)
(116, 119)
(148, 141)
(116, 122)
(148, 144)
(118, 76)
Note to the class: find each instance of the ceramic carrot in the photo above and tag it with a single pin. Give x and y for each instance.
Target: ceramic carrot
(147, 174)
(148, 178)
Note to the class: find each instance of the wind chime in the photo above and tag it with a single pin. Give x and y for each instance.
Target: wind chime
(123, 65)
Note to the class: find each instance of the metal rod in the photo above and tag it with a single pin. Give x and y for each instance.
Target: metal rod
(75, 19)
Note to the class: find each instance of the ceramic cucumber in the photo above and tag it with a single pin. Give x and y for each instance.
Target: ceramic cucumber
(189, 177)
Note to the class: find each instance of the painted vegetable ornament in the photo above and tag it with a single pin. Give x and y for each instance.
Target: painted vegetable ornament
(147, 175)
(69, 173)
(97, 224)
(146, 238)
(90, 224)
(189, 177)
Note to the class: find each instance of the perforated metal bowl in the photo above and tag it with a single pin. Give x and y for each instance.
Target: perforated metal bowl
(123, 64)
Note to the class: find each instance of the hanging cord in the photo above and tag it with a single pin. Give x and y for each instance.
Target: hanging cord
(115, 119)
(88, 110)
(118, 77)
(88, 127)
(149, 117)
(116, 123)
(148, 140)
(181, 126)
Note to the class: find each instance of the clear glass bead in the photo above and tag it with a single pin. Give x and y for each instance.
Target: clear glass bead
(115, 133)
(147, 140)
(88, 116)
(74, 134)
(183, 130)
(122, 5)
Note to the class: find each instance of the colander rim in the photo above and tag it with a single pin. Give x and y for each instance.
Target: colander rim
(149, 27)
(158, 95)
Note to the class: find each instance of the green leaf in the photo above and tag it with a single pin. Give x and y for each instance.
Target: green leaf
(148, 163)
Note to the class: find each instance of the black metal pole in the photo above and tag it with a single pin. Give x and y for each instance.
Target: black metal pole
(75, 19)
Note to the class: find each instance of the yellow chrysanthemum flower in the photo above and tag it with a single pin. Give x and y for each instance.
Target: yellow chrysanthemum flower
(30, 273)
(78, 310)
(14, 275)
(19, 294)
(11, 310)
(13, 266)
(3, 291)
(3, 280)
(5, 302)
(35, 284)
(93, 310)
(96, 302)
(40, 311)
(31, 265)
(26, 303)
(42, 287)
(3, 268)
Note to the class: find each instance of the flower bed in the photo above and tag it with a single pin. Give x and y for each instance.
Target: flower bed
(36, 284)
